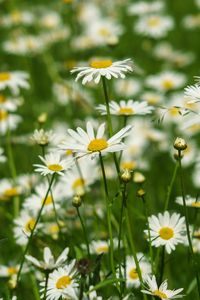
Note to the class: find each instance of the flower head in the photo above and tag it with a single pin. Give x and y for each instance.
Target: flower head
(106, 68)
(160, 292)
(90, 143)
(166, 230)
(53, 163)
(14, 81)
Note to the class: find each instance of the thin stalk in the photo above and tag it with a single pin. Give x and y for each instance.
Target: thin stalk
(84, 231)
(124, 125)
(33, 230)
(109, 121)
(46, 284)
(35, 287)
(149, 235)
(169, 190)
(108, 210)
(195, 264)
(162, 265)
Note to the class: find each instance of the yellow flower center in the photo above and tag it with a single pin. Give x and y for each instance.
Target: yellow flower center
(101, 64)
(174, 111)
(133, 274)
(126, 111)
(104, 32)
(154, 21)
(79, 182)
(102, 249)
(4, 76)
(68, 152)
(168, 84)
(12, 270)
(196, 204)
(30, 225)
(11, 192)
(16, 16)
(166, 233)
(54, 228)
(55, 167)
(63, 282)
(2, 99)
(97, 145)
(160, 294)
(48, 201)
(3, 115)
(128, 165)
(153, 100)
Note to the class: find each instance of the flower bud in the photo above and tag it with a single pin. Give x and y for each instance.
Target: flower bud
(42, 118)
(180, 144)
(141, 193)
(138, 177)
(126, 176)
(76, 201)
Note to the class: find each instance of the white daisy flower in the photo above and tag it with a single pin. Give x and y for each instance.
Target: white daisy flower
(49, 262)
(166, 81)
(162, 292)
(24, 225)
(190, 201)
(92, 295)
(8, 190)
(101, 246)
(166, 230)
(193, 93)
(53, 163)
(62, 284)
(132, 277)
(42, 137)
(143, 8)
(126, 108)
(89, 143)
(127, 88)
(155, 26)
(9, 104)
(106, 68)
(14, 80)
(8, 121)
(9, 271)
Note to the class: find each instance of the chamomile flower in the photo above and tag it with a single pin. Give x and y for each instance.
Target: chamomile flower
(87, 142)
(14, 81)
(166, 230)
(9, 271)
(161, 292)
(155, 26)
(142, 8)
(103, 68)
(42, 137)
(53, 163)
(9, 104)
(127, 88)
(126, 108)
(132, 277)
(62, 284)
(8, 121)
(166, 81)
(8, 190)
(24, 225)
(190, 201)
(101, 246)
(49, 262)
(193, 93)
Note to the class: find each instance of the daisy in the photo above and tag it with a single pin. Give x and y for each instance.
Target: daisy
(143, 8)
(9, 104)
(49, 262)
(127, 88)
(155, 26)
(8, 190)
(132, 277)
(161, 292)
(193, 93)
(126, 108)
(14, 80)
(101, 246)
(89, 143)
(9, 271)
(53, 163)
(166, 81)
(42, 137)
(8, 121)
(24, 225)
(62, 284)
(103, 68)
(166, 230)
(190, 201)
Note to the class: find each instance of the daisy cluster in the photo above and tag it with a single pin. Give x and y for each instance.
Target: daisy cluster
(99, 150)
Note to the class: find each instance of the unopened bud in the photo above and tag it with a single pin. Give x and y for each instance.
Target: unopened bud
(42, 118)
(138, 177)
(126, 176)
(141, 193)
(76, 202)
(12, 283)
(180, 144)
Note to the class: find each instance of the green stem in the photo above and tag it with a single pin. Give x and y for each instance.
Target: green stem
(162, 265)
(84, 231)
(35, 287)
(46, 284)
(169, 190)
(195, 264)
(33, 230)
(108, 209)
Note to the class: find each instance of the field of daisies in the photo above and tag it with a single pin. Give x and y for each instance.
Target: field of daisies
(99, 150)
